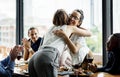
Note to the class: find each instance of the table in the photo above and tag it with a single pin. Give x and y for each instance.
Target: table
(99, 74)
(24, 67)
(103, 74)
(18, 72)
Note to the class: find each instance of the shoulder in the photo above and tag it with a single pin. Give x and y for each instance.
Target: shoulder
(71, 27)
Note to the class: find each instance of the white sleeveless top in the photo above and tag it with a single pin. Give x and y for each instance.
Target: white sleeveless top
(83, 51)
(54, 41)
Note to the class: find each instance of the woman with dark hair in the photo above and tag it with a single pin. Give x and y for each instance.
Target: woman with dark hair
(113, 48)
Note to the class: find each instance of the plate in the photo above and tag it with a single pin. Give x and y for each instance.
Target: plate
(65, 73)
(25, 71)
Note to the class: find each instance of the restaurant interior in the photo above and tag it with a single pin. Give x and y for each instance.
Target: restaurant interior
(101, 17)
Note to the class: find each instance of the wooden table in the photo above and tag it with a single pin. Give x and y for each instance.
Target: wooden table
(18, 72)
(99, 74)
(24, 67)
(103, 74)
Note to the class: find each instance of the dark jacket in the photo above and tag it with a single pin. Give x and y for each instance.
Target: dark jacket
(36, 45)
(113, 64)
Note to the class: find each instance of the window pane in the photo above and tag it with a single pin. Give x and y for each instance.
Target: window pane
(7, 25)
(116, 16)
(39, 13)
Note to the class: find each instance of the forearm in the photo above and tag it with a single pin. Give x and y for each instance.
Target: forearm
(70, 45)
(82, 32)
(6, 71)
(26, 54)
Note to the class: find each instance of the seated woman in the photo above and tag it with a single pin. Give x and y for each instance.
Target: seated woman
(32, 44)
(113, 48)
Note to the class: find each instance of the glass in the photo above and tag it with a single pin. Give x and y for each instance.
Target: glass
(89, 60)
(76, 69)
(76, 66)
(19, 56)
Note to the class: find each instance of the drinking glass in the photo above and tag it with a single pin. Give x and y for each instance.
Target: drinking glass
(89, 60)
(75, 68)
(19, 56)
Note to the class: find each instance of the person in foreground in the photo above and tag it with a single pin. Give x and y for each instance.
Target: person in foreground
(7, 64)
(113, 48)
(45, 62)
(32, 44)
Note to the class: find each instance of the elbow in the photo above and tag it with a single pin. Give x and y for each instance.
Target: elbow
(89, 34)
(86, 34)
(74, 51)
(25, 58)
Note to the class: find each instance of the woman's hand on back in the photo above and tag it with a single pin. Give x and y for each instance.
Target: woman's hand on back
(60, 33)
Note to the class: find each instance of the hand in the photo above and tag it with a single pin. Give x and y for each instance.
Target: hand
(59, 33)
(14, 52)
(26, 43)
(92, 67)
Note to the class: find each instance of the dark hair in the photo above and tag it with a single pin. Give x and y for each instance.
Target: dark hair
(60, 18)
(81, 17)
(117, 37)
(31, 28)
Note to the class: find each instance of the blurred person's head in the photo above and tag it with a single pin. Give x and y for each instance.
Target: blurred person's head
(76, 18)
(60, 18)
(113, 42)
(33, 34)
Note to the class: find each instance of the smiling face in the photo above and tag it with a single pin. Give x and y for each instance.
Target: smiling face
(74, 18)
(33, 34)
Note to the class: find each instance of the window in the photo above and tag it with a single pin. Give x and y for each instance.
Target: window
(39, 13)
(7, 25)
(116, 16)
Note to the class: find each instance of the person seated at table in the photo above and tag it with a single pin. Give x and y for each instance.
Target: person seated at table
(32, 44)
(113, 48)
(7, 64)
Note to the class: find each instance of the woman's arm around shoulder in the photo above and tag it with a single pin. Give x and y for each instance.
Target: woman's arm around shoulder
(81, 31)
